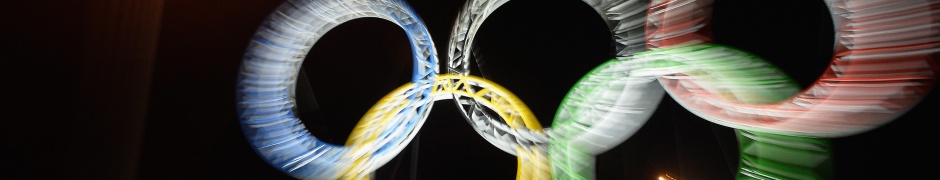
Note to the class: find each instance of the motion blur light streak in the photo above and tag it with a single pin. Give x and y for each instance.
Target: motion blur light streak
(869, 82)
(802, 157)
(718, 74)
(532, 159)
(753, 81)
(597, 114)
(266, 96)
(882, 67)
(265, 90)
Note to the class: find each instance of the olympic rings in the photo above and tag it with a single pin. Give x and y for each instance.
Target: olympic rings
(875, 74)
(268, 75)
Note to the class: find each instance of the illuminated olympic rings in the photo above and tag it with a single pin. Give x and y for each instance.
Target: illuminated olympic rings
(606, 106)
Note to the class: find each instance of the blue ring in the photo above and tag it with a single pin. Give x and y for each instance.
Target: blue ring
(269, 71)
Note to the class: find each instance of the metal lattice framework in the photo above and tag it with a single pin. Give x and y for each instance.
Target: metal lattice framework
(625, 19)
(533, 161)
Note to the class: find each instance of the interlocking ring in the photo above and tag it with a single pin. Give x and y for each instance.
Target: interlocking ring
(266, 91)
(594, 117)
(882, 67)
(715, 81)
(608, 104)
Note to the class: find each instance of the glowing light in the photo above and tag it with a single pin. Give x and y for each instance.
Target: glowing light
(583, 127)
(880, 70)
(876, 75)
(265, 93)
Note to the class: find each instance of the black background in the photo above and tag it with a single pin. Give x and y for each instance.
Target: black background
(102, 89)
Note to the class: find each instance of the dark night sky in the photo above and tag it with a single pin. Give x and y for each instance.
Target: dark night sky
(536, 49)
